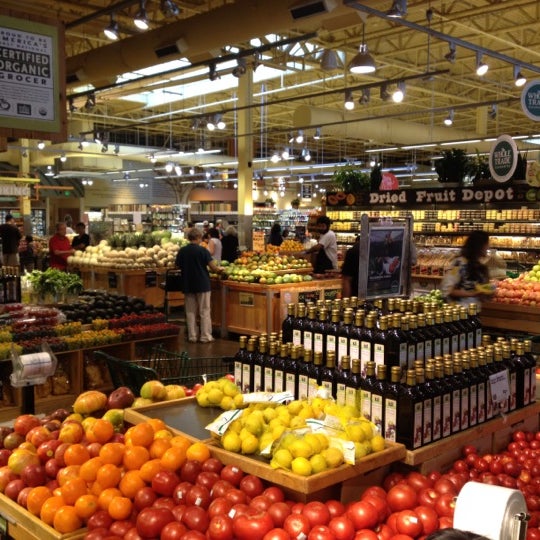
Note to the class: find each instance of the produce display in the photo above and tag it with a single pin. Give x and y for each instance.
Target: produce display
(54, 283)
(524, 290)
(288, 245)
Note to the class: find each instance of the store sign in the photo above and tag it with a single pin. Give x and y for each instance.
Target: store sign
(530, 100)
(246, 299)
(7, 190)
(503, 158)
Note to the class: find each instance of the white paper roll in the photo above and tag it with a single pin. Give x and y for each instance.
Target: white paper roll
(35, 365)
(489, 510)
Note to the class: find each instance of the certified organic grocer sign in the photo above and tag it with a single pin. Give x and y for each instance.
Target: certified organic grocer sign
(503, 158)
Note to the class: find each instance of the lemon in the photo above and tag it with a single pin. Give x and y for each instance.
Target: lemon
(294, 407)
(377, 443)
(367, 428)
(297, 422)
(301, 466)
(235, 425)
(333, 457)
(254, 425)
(306, 412)
(318, 463)
(314, 442)
(202, 399)
(323, 440)
(300, 448)
(287, 440)
(360, 450)
(283, 458)
(230, 389)
(250, 444)
(269, 414)
(277, 431)
(355, 432)
(231, 441)
(227, 403)
(215, 395)
(265, 441)
(238, 400)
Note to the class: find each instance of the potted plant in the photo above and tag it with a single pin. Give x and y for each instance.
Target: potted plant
(351, 180)
(453, 166)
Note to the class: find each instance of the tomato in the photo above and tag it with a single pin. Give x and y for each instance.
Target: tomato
(198, 496)
(297, 507)
(384, 532)
(164, 482)
(99, 520)
(445, 505)
(445, 522)
(194, 535)
(460, 466)
(236, 496)
(379, 504)
(180, 492)
(320, 532)
(277, 534)
(144, 498)
(274, 493)
(207, 479)
(120, 528)
(533, 534)
(443, 485)
(278, 511)
(407, 522)
(366, 534)
(429, 518)
(469, 449)
(296, 524)
(220, 488)
(418, 481)
(402, 537)
(336, 508)
(173, 531)
(363, 514)
(97, 534)
(190, 470)
(401, 497)
(260, 503)
(219, 507)
(232, 474)
(195, 518)
(212, 465)
(427, 497)
(251, 485)
(220, 528)
(150, 521)
(252, 527)
(391, 480)
(317, 513)
(377, 491)
(342, 527)
(518, 436)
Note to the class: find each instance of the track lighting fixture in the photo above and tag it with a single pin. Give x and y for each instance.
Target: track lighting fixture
(169, 8)
(285, 154)
(80, 145)
(212, 73)
(493, 111)
(317, 134)
(178, 170)
(398, 9)
(349, 101)
(49, 171)
(399, 94)
(90, 102)
(169, 167)
(519, 79)
(365, 97)
(329, 60)
(127, 176)
(141, 18)
(192, 171)
(220, 123)
(450, 56)
(306, 154)
(481, 67)
(111, 31)
(63, 157)
(449, 120)
(210, 126)
(41, 145)
(240, 68)
(384, 94)
(87, 182)
(300, 137)
(275, 157)
(363, 62)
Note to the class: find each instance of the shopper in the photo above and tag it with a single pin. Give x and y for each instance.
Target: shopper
(68, 220)
(454, 534)
(326, 248)
(349, 270)
(229, 245)
(27, 257)
(214, 244)
(467, 271)
(193, 260)
(276, 239)
(60, 248)
(11, 237)
(219, 227)
(82, 240)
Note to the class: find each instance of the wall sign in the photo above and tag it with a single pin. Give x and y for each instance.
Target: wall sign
(530, 100)
(503, 158)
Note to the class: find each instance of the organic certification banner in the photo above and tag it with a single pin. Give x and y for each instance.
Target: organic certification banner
(29, 85)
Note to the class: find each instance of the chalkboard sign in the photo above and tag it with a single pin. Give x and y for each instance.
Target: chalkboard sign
(309, 296)
(113, 280)
(150, 279)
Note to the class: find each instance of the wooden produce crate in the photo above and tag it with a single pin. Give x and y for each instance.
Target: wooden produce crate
(491, 436)
(22, 525)
(516, 317)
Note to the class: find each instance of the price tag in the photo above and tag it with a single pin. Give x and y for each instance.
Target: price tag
(3, 528)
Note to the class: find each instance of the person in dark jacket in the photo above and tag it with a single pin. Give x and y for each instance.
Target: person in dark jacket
(229, 245)
(11, 237)
(276, 239)
(82, 240)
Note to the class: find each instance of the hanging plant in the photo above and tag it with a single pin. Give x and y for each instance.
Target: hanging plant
(521, 168)
(480, 168)
(376, 178)
(453, 166)
(351, 180)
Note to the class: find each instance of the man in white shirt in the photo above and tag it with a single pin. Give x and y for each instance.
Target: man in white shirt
(326, 248)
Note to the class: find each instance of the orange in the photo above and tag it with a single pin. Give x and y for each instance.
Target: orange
(76, 454)
(157, 424)
(66, 473)
(163, 434)
(181, 441)
(86, 506)
(108, 475)
(173, 458)
(198, 451)
(150, 469)
(158, 447)
(112, 452)
(120, 508)
(88, 470)
(141, 434)
(73, 489)
(66, 520)
(50, 507)
(106, 496)
(100, 431)
(135, 457)
(131, 483)
(36, 497)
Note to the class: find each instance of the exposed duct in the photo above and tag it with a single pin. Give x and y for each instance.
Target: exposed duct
(197, 38)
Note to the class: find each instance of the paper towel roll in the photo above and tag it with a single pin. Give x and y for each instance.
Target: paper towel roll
(35, 365)
(489, 510)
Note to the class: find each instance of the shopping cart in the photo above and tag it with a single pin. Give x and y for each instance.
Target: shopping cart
(172, 284)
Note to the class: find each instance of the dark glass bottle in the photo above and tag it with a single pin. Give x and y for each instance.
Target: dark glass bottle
(521, 360)
(515, 371)
(427, 405)
(379, 341)
(391, 305)
(279, 368)
(416, 341)
(454, 331)
(446, 399)
(332, 332)
(486, 354)
(343, 380)
(481, 376)
(501, 403)
(298, 324)
(328, 375)
(432, 389)
(309, 329)
(287, 324)
(476, 324)
(355, 336)
(390, 398)
(471, 377)
(304, 368)
(367, 384)
(456, 395)
(353, 386)
(290, 370)
(319, 332)
(410, 410)
(469, 330)
(461, 330)
(343, 336)
(425, 330)
(257, 383)
(247, 367)
(377, 399)
(366, 354)
(438, 334)
(465, 405)
(315, 376)
(239, 360)
(396, 343)
(268, 367)
(531, 362)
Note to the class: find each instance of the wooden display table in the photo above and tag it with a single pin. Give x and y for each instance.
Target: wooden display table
(515, 317)
(489, 437)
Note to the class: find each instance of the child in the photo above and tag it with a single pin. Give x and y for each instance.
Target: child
(27, 258)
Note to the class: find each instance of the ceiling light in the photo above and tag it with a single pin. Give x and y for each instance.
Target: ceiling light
(481, 67)
(127, 176)
(192, 171)
(450, 56)
(112, 30)
(384, 94)
(152, 158)
(449, 120)
(365, 97)
(519, 79)
(49, 171)
(87, 182)
(169, 8)
(306, 154)
(285, 154)
(97, 137)
(493, 111)
(363, 62)
(169, 167)
(210, 124)
(212, 73)
(398, 9)
(240, 68)
(63, 157)
(317, 134)
(275, 157)
(399, 94)
(349, 101)
(220, 123)
(300, 137)
(141, 18)
(329, 60)
(372, 163)
(41, 145)
(178, 170)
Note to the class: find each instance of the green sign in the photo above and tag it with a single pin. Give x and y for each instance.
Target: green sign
(530, 100)
(503, 158)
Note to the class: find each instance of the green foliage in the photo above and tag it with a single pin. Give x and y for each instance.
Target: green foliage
(454, 166)
(376, 177)
(54, 282)
(351, 180)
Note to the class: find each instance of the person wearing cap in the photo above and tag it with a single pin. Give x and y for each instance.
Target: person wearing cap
(11, 237)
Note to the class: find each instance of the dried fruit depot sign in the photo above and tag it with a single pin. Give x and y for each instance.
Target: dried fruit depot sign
(530, 100)
(503, 158)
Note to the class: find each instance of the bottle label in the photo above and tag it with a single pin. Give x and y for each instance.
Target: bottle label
(446, 345)
(290, 380)
(257, 371)
(489, 402)
(420, 350)
(354, 349)
(464, 408)
(411, 356)
(268, 379)
(308, 340)
(313, 386)
(456, 410)
(478, 339)
(377, 412)
(470, 340)
(378, 354)
(297, 337)
(462, 341)
(365, 404)
(533, 386)
(512, 400)
(327, 385)
(330, 343)
(343, 348)
(390, 419)
(278, 380)
(318, 342)
(473, 405)
(341, 394)
(246, 376)
(365, 355)
(428, 350)
(455, 343)
(447, 415)
(437, 347)
(427, 436)
(403, 355)
(351, 396)
(526, 386)
(303, 387)
(437, 418)
(238, 373)
(481, 395)
(418, 428)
